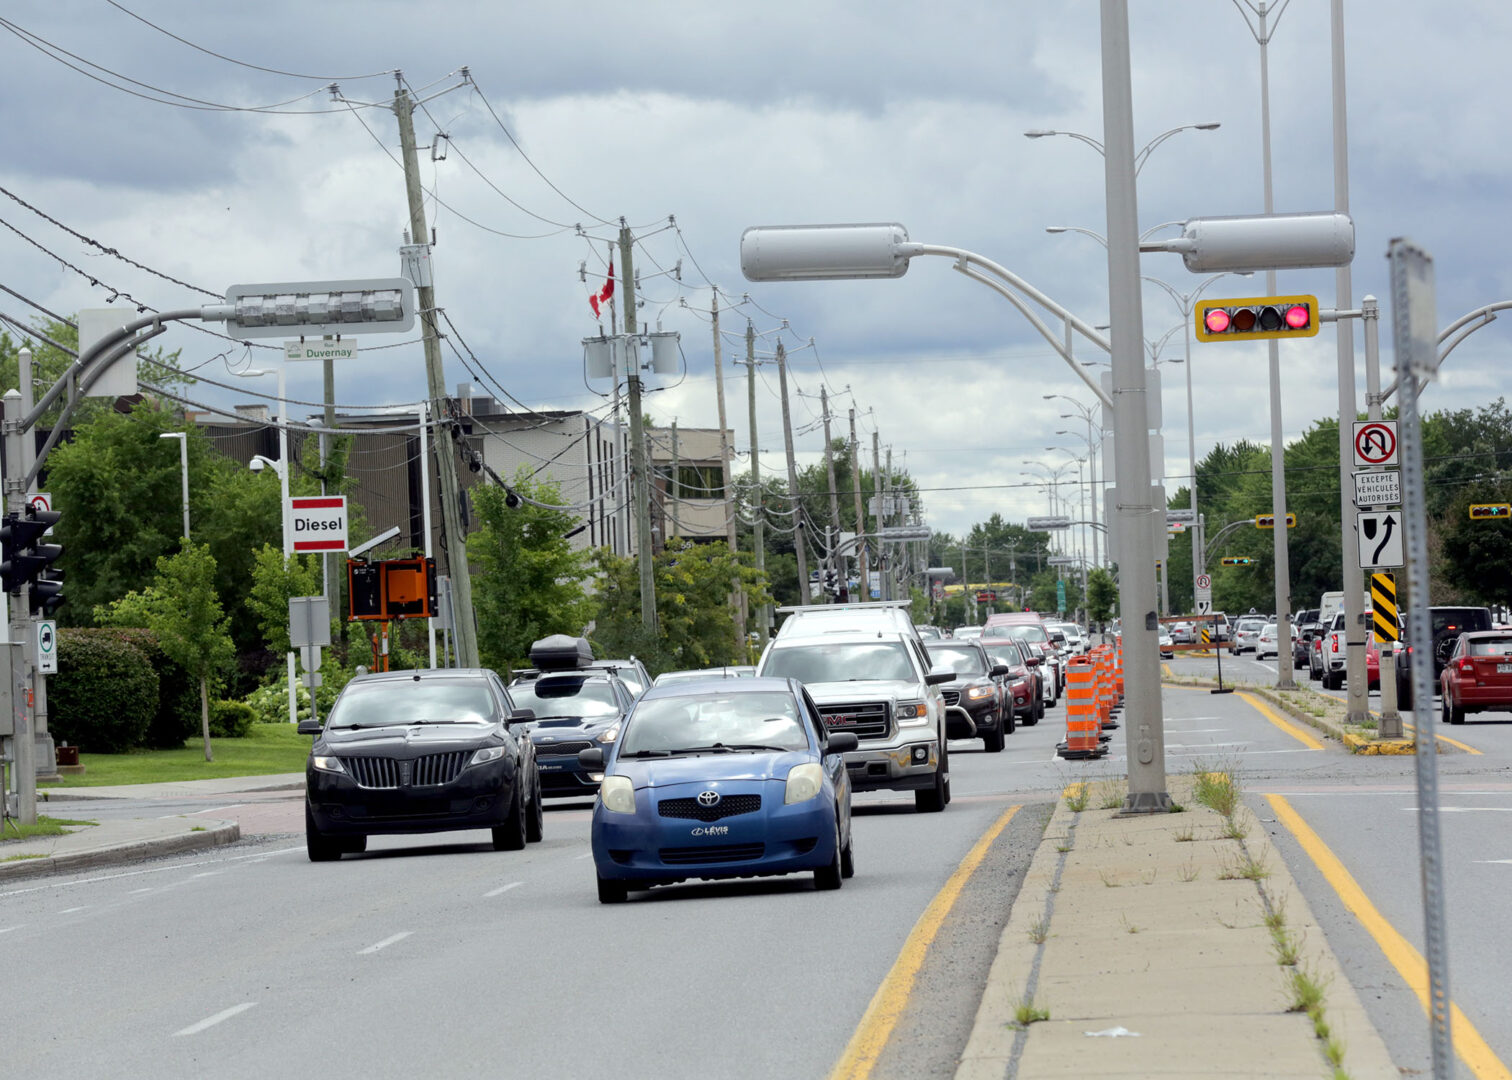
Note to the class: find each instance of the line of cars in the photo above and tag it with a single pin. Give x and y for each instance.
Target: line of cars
(707, 775)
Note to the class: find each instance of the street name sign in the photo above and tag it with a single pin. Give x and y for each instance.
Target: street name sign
(1046, 524)
(320, 350)
(1380, 536)
(316, 523)
(1061, 560)
(902, 533)
(1374, 489)
(1181, 517)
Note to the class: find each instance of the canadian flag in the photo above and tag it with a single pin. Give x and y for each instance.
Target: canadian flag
(603, 295)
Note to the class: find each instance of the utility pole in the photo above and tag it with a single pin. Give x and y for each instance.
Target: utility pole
(674, 485)
(724, 467)
(435, 375)
(760, 506)
(792, 471)
(861, 546)
(890, 491)
(641, 488)
(829, 468)
(877, 516)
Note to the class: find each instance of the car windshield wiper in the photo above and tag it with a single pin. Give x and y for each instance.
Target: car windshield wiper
(650, 753)
(752, 746)
(417, 723)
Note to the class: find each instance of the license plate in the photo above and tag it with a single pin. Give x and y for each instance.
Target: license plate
(1504, 669)
(549, 768)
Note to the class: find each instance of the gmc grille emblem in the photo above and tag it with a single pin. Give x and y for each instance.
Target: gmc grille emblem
(840, 718)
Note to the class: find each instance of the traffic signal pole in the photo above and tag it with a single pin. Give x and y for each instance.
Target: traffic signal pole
(23, 739)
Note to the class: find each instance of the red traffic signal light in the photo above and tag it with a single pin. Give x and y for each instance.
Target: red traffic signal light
(1257, 317)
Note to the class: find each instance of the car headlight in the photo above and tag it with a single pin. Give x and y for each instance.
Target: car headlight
(609, 736)
(487, 753)
(911, 712)
(327, 763)
(804, 782)
(617, 794)
(981, 693)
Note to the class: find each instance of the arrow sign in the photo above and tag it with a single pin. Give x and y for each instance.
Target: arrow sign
(1380, 534)
(47, 647)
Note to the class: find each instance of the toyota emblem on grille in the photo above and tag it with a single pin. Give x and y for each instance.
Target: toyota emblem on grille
(708, 798)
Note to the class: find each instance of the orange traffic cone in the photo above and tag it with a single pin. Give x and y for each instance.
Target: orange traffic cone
(1082, 724)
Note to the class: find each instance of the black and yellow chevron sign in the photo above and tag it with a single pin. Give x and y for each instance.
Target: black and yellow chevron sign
(1383, 602)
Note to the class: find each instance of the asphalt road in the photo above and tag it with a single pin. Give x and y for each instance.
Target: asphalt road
(443, 957)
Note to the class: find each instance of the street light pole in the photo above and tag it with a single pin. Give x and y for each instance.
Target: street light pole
(1144, 723)
(183, 441)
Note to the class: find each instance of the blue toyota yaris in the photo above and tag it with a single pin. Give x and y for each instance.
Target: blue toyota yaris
(724, 778)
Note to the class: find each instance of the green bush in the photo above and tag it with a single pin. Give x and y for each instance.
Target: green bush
(177, 716)
(231, 719)
(105, 694)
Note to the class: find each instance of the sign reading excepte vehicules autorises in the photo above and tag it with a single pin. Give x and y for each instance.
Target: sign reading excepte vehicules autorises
(1377, 489)
(316, 523)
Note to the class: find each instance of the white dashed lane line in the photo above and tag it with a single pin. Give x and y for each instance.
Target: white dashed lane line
(385, 943)
(211, 1021)
(503, 889)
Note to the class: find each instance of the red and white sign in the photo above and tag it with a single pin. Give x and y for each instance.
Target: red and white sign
(315, 523)
(1375, 442)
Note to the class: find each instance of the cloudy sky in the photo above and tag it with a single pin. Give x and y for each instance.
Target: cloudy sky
(693, 121)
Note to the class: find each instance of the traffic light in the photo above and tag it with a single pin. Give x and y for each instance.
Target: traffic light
(23, 558)
(1486, 511)
(1268, 521)
(47, 593)
(1257, 317)
(1236, 560)
(832, 582)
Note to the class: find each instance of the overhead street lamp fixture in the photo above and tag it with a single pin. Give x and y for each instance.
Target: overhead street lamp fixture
(1139, 158)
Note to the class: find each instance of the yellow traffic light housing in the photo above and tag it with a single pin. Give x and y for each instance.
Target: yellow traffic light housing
(1254, 317)
(1236, 560)
(1268, 521)
(1487, 511)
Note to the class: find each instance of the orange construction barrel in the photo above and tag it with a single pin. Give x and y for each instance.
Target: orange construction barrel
(1083, 728)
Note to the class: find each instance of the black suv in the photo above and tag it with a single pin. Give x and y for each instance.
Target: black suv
(1304, 630)
(1447, 624)
(974, 700)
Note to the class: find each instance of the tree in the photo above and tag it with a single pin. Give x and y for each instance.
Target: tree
(1102, 596)
(695, 619)
(275, 579)
(528, 580)
(185, 614)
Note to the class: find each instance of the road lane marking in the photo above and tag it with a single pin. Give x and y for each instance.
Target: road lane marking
(1468, 1043)
(503, 889)
(8, 929)
(1482, 862)
(1452, 742)
(71, 910)
(887, 1004)
(1307, 740)
(218, 809)
(138, 892)
(148, 870)
(385, 943)
(211, 1021)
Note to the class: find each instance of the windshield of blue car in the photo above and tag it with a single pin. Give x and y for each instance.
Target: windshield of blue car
(713, 721)
(961, 661)
(820, 662)
(391, 702)
(566, 696)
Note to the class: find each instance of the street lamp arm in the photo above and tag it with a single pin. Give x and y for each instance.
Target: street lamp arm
(1456, 332)
(1149, 147)
(983, 269)
(1213, 543)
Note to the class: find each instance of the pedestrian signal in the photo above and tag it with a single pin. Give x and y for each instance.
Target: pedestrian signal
(1483, 511)
(1236, 560)
(1257, 317)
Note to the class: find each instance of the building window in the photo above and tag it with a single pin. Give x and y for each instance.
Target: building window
(699, 482)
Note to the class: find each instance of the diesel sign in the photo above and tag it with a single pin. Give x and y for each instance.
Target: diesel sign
(316, 523)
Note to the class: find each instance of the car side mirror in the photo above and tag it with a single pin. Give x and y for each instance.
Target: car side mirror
(592, 758)
(1032, 661)
(310, 727)
(840, 742)
(940, 675)
(520, 714)
(998, 671)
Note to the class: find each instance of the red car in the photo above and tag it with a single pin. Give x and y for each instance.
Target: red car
(1478, 675)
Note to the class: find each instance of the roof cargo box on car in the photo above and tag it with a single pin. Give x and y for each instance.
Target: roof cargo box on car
(560, 652)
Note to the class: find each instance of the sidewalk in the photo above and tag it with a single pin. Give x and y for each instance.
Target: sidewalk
(127, 839)
(1151, 954)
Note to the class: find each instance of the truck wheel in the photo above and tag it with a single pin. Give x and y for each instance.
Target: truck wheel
(932, 800)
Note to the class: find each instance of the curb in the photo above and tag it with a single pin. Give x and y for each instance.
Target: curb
(64, 794)
(1360, 745)
(214, 834)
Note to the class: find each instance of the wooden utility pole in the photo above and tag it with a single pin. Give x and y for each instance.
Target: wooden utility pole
(639, 473)
(726, 479)
(861, 545)
(792, 471)
(834, 496)
(760, 496)
(435, 374)
(674, 486)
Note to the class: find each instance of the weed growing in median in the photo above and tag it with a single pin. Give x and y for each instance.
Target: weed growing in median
(1108, 879)
(1039, 930)
(1233, 830)
(1028, 1013)
(1188, 871)
(1077, 797)
(1216, 790)
(1247, 869)
(45, 826)
(1129, 928)
(1185, 835)
(1111, 794)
